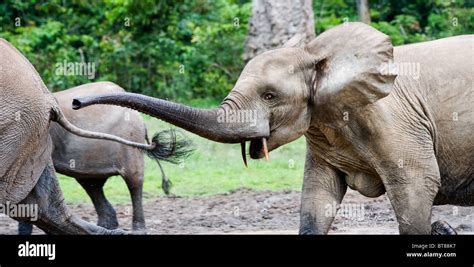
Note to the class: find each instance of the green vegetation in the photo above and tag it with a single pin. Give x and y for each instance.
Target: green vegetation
(405, 21)
(186, 50)
(212, 168)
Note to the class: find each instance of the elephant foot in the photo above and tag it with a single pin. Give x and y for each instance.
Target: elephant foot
(99, 230)
(442, 228)
(108, 224)
(117, 232)
(306, 231)
(138, 227)
(139, 232)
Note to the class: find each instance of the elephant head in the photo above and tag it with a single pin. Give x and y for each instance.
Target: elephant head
(280, 93)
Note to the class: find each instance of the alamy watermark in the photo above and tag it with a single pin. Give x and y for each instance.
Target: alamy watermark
(20, 210)
(66, 68)
(348, 211)
(411, 69)
(237, 116)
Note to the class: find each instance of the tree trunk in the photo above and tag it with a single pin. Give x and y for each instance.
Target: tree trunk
(273, 22)
(363, 10)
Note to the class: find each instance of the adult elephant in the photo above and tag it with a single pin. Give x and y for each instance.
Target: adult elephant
(408, 134)
(27, 174)
(92, 162)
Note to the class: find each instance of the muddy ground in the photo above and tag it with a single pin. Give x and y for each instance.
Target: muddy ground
(260, 212)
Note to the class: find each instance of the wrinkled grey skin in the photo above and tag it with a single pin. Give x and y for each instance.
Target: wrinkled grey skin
(92, 162)
(27, 174)
(372, 130)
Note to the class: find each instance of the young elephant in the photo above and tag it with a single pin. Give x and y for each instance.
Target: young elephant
(92, 162)
(368, 126)
(26, 170)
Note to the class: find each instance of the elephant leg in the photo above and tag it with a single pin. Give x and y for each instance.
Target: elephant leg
(323, 191)
(411, 178)
(412, 206)
(53, 216)
(135, 186)
(107, 217)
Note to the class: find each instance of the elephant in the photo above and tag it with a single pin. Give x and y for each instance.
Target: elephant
(92, 162)
(372, 122)
(27, 177)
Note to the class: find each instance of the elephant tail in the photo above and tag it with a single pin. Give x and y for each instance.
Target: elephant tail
(176, 151)
(174, 148)
(165, 181)
(154, 150)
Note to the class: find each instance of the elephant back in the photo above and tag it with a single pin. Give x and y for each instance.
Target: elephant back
(24, 120)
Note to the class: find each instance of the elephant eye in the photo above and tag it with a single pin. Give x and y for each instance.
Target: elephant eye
(268, 96)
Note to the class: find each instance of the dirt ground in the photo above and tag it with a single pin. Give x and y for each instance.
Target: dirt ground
(247, 211)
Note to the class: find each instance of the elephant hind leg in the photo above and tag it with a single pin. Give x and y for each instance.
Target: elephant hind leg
(323, 191)
(52, 216)
(107, 217)
(135, 186)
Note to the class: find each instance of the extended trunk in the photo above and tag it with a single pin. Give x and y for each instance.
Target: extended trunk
(208, 123)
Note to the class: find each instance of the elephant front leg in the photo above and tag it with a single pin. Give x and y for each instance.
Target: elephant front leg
(411, 179)
(323, 188)
(412, 206)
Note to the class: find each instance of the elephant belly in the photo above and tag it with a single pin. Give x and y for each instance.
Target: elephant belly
(84, 158)
(366, 184)
(89, 163)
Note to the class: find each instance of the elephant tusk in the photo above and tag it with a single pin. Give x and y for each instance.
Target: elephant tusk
(244, 156)
(265, 148)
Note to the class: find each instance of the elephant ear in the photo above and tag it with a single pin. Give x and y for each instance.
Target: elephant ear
(351, 62)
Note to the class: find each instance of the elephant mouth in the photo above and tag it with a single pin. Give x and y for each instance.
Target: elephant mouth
(257, 150)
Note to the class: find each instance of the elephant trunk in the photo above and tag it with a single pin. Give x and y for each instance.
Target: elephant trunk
(208, 123)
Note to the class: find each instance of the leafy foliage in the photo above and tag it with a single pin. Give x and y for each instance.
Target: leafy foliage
(423, 20)
(187, 50)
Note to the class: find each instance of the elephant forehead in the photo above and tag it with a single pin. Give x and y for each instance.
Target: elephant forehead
(282, 58)
(249, 81)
